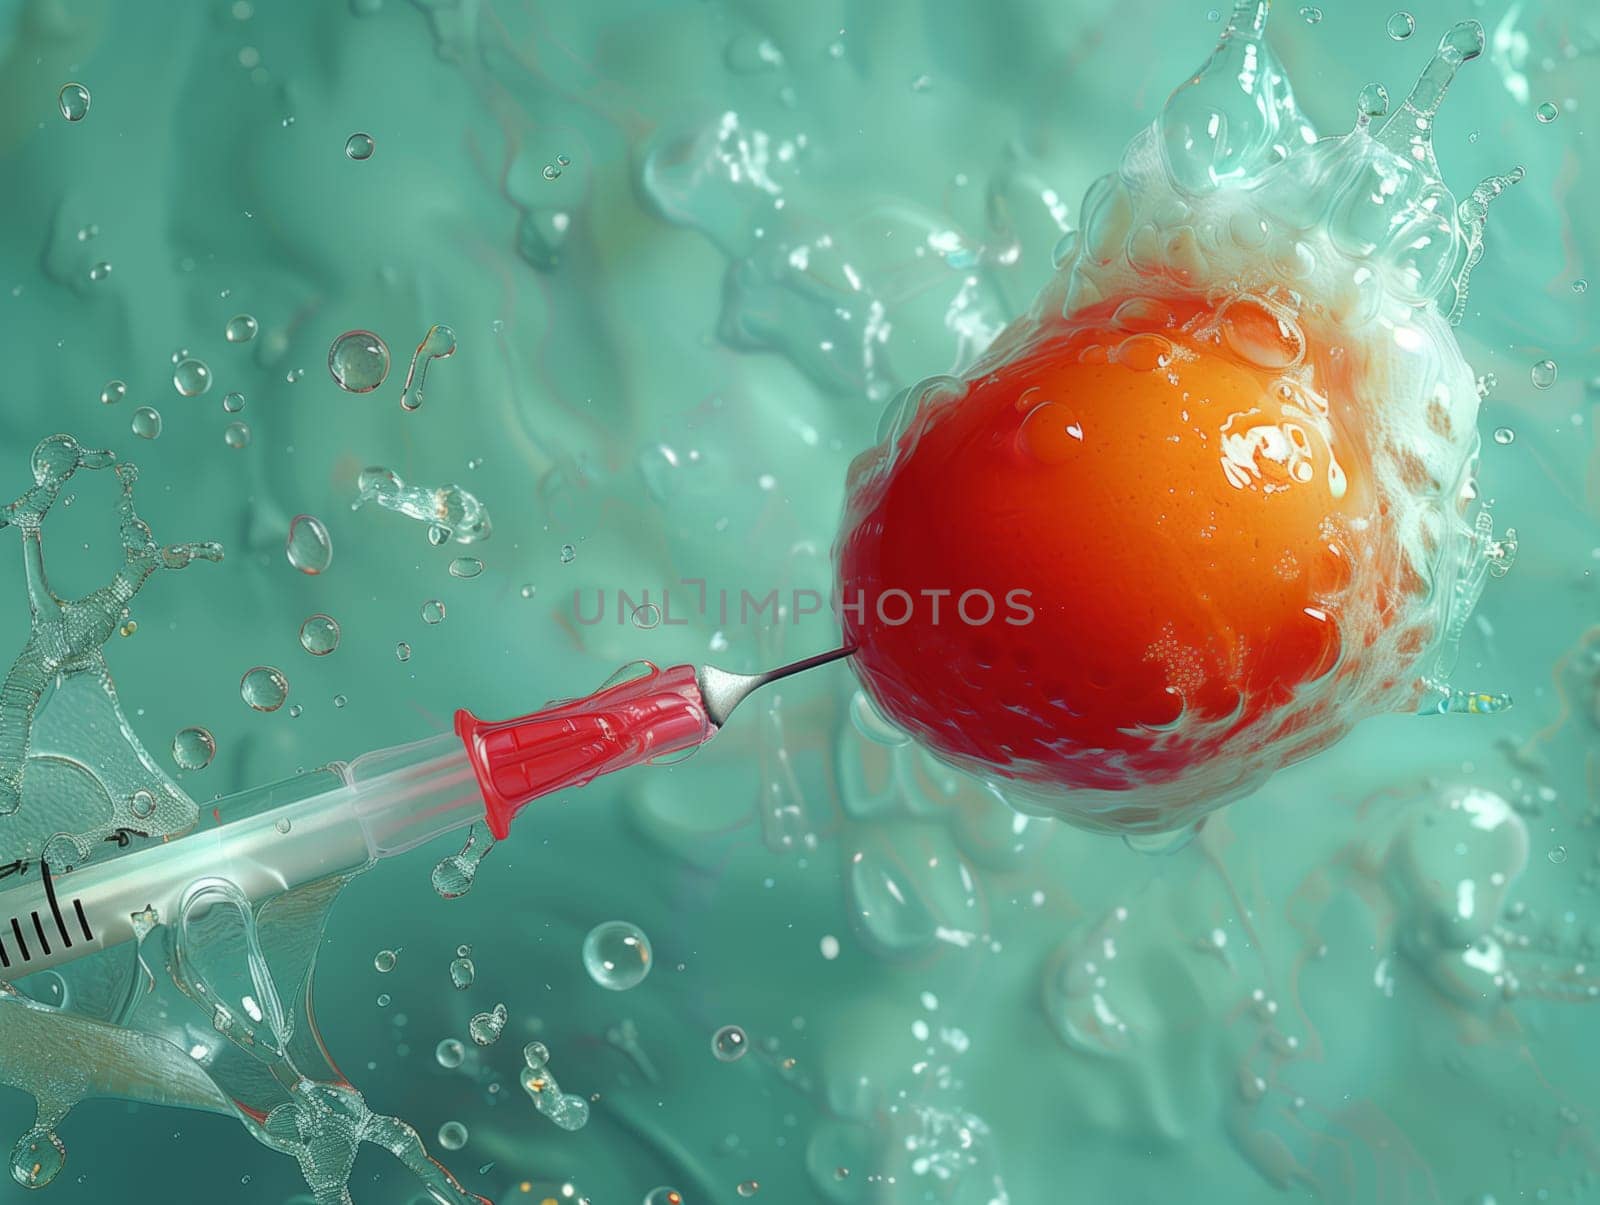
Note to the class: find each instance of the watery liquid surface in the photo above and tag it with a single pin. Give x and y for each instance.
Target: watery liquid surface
(688, 256)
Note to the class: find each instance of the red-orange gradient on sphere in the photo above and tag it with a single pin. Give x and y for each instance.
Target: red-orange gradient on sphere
(1160, 525)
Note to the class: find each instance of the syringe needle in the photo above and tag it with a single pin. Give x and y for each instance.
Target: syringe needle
(723, 691)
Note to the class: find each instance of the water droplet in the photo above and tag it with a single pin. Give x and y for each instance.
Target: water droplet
(617, 955)
(236, 435)
(485, 1028)
(339, 700)
(384, 961)
(359, 147)
(146, 422)
(358, 361)
(438, 344)
(452, 1135)
(193, 748)
(113, 393)
(241, 328)
(748, 1188)
(729, 1044)
(1504, 435)
(568, 554)
(1311, 14)
(100, 271)
(1544, 374)
(528, 590)
(433, 611)
(646, 616)
(466, 567)
(319, 634)
(233, 402)
(309, 547)
(74, 100)
(143, 804)
(1546, 113)
(1558, 855)
(402, 651)
(264, 688)
(1401, 25)
(191, 377)
(449, 1053)
(462, 973)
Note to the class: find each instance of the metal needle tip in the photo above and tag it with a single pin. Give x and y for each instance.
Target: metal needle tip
(723, 691)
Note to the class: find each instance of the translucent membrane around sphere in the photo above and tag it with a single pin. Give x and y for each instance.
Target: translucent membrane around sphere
(1204, 506)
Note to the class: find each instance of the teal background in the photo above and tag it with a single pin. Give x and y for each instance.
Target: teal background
(629, 331)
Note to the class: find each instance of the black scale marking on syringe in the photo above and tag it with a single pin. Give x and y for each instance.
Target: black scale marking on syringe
(17, 925)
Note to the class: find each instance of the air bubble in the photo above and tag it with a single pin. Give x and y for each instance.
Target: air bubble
(729, 1044)
(1504, 435)
(433, 611)
(748, 1188)
(466, 567)
(452, 1135)
(359, 147)
(241, 328)
(146, 422)
(1401, 25)
(449, 1053)
(100, 271)
(617, 955)
(319, 634)
(309, 547)
(663, 1196)
(1546, 113)
(191, 377)
(1578, 286)
(528, 590)
(1310, 14)
(1558, 855)
(568, 554)
(462, 973)
(115, 391)
(193, 748)
(236, 435)
(402, 651)
(438, 344)
(646, 616)
(264, 688)
(339, 700)
(384, 961)
(358, 361)
(233, 402)
(1544, 374)
(485, 1028)
(74, 99)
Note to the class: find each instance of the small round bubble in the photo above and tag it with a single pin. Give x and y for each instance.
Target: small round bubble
(449, 1053)
(528, 590)
(113, 393)
(433, 611)
(1310, 14)
(568, 554)
(617, 955)
(383, 999)
(452, 1135)
(1557, 855)
(233, 402)
(462, 973)
(74, 99)
(748, 1188)
(359, 147)
(1504, 435)
(193, 748)
(308, 547)
(241, 328)
(264, 688)
(402, 651)
(1578, 286)
(1547, 112)
(384, 961)
(100, 271)
(466, 567)
(339, 700)
(647, 616)
(236, 435)
(319, 634)
(146, 422)
(1401, 25)
(1544, 374)
(358, 361)
(729, 1044)
(191, 377)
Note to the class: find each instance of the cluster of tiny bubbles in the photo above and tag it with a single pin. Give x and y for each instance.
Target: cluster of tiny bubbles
(438, 344)
(193, 748)
(1401, 25)
(319, 634)
(1546, 113)
(100, 271)
(462, 971)
(129, 628)
(358, 361)
(233, 402)
(729, 1044)
(114, 392)
(359, 147)
(449, 1053)
(191, 377)
(241, 328)
(568, 554)
(452, 1135)
(663, 1196)
(236, 435)
(402, 651)
(1544, 374)
(1504, 435)
(1310, 14)
(617, 955)
(433, 611)
(74, 100)
(146, 422)
(466, 567)
(647, 616)
(485, 1028)
(567, 1109)
(552, 171)
(264, 688)
(309, 547)
(384, 961)
(748, 1188)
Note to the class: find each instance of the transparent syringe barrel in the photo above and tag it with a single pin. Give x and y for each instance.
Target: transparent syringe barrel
(346, 817)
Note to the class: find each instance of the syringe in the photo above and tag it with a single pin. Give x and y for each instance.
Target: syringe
(383, 803)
